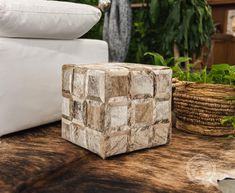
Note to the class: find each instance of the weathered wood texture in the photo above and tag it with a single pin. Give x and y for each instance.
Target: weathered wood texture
(40, 161)
(116, 108)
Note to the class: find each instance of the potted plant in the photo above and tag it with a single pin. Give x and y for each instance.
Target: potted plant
(203, 100)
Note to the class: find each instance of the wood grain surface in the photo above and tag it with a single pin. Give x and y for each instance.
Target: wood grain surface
(40, 161)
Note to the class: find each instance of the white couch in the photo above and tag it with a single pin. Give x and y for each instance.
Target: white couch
(30, 78)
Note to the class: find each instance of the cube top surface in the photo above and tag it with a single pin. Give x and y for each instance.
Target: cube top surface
(107, 67)
(116, 107)
(107, 82)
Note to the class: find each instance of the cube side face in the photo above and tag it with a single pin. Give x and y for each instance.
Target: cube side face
(119, 108)
(163, 96)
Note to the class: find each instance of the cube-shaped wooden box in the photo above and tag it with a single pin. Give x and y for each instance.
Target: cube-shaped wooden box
(116, 108)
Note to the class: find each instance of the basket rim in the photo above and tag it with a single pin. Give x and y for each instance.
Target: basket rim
(183, 82)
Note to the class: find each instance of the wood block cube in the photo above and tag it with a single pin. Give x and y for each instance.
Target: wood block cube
(115, 108)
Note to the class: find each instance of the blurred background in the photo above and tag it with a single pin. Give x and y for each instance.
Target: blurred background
(150, 34)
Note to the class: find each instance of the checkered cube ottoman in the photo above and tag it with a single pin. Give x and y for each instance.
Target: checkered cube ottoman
(116, 108)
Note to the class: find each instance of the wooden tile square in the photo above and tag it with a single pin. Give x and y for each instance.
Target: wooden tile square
(141, 84)
(142, 112)
(95, 115)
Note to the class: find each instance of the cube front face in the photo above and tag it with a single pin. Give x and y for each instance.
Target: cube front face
(116, 108)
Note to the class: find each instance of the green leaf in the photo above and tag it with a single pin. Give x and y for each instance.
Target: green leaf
(222, 67)
(204, 75)
(154, 10)
(169, 61)
(180, 60)
(157, 58)
(228, 120)
(196, 77)
(230, 98)
(232, 68)
(230, 137)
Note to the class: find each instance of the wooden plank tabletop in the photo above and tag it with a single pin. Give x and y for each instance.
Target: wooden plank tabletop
(39, 161)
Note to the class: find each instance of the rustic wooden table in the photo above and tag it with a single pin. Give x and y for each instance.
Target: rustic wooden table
(39, 161)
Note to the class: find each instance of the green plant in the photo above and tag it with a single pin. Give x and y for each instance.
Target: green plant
(187, 24)
(230, 137)
(150, 29)
(158, 59)
(143, 36)
(229, 119)
(218, 74)
(138, 45)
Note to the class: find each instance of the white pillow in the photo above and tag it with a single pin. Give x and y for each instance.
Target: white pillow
(46, 19)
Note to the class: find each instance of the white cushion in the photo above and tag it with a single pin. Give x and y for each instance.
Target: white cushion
(46, 19)
(30, 78)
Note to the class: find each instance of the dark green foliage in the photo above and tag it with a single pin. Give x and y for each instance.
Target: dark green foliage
(158, 59)
(230, 119)
(158, 26)
(146, 35)
(218, 74)
(187, 23)
(143, 36)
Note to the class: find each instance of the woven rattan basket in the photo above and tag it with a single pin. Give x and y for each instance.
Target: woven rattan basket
(199, 108)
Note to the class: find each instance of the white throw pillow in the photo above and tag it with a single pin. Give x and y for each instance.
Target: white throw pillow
(46, 19)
